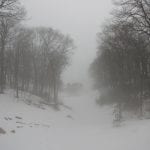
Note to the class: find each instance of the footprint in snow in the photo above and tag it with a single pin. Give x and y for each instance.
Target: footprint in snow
(21, 123)
(19, 126)
(13, 131)
(69, 116)
(7, 118)
(2, 131)
(17, 117)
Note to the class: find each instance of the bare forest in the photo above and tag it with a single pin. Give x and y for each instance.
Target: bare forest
(74, 74)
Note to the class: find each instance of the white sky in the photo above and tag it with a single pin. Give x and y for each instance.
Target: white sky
(79, 18)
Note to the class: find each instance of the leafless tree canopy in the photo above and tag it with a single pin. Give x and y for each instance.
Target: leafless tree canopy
(135, 11)
(31, 59)
(122, 66)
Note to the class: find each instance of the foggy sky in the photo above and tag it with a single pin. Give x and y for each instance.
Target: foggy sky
(81, 19)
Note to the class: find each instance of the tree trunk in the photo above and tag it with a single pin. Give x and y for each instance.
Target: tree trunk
(2, 67)
(17, 73)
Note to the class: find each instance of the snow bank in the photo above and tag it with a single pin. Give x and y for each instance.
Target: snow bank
(81, 125)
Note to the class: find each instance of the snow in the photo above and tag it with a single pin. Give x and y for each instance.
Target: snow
(82, 125)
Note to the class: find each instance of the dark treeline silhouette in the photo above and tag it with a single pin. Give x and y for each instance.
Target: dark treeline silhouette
(31, 59)
(121, 70)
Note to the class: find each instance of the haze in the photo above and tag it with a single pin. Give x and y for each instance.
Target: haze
(81, 19)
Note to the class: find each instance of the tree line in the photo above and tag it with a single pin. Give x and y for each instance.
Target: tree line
(31, 59)
(121, 70)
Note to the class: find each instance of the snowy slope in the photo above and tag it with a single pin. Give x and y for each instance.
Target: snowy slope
(80, 125)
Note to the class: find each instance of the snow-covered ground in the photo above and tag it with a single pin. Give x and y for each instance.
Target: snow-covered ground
(79, 125)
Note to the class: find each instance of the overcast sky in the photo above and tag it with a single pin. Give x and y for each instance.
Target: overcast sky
(79, 18)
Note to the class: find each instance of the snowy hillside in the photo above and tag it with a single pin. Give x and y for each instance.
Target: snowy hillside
(79, 125)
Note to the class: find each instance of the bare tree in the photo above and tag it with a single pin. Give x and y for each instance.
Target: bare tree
(135, 11)
(12, 12)
(55, 47)
(121, 66)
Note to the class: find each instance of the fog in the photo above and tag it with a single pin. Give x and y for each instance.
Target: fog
(100, 101)
(81, 19)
